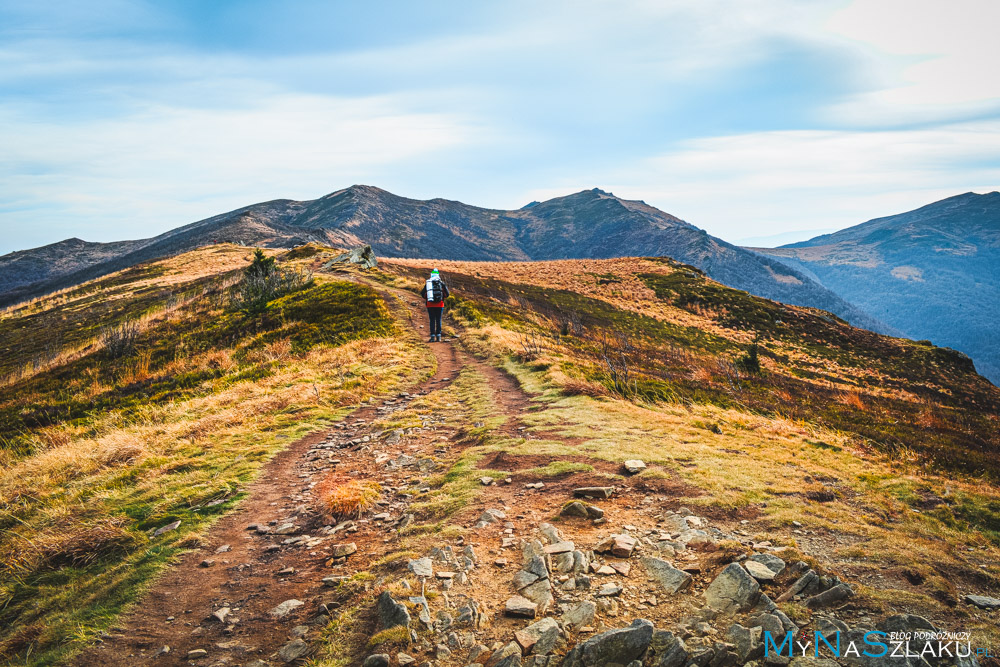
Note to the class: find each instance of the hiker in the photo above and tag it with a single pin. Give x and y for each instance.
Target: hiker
(435, 291)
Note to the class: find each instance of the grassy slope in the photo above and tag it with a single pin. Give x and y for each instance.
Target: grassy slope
(98, 452)
(884, 443)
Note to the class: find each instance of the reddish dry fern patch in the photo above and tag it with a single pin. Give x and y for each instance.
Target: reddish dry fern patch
(348, 498)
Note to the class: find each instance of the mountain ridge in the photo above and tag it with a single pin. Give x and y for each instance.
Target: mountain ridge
(937, 267)
(590, 224)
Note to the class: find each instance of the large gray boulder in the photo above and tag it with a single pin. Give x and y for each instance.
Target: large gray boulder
(619, 646)
(733, 590)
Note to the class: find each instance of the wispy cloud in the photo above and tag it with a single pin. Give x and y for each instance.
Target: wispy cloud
(757, 183)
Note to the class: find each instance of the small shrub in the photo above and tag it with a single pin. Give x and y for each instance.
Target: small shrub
(347, 499)
(119, 339)
(750, 361)
(263, 281)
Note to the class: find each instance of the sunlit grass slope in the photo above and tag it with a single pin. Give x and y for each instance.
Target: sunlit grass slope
(99, 451)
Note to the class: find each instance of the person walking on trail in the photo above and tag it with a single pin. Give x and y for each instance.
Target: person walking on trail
(435, 291)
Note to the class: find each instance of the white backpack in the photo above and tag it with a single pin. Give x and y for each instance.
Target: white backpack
(434, 291)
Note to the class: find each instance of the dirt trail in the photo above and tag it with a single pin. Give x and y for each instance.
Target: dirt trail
(256, 570)
(251, 572)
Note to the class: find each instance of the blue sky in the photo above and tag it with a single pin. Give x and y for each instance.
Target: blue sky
(749, 119)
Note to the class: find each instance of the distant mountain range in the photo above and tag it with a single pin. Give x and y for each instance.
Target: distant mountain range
(931, 273)
(588, 224)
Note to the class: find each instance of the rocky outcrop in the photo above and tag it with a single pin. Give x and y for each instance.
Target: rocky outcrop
(362, 255)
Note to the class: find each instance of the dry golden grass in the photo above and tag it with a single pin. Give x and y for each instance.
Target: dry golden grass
(347, 498)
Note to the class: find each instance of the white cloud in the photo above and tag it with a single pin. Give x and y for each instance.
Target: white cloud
(767, 182)
(929, 59)
(167, 166)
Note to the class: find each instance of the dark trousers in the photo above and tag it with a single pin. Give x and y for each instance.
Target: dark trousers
(435, 315)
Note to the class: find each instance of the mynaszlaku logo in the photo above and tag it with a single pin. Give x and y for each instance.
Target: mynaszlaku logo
(875, 644)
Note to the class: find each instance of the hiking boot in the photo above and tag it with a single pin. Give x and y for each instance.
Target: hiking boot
(432, 339)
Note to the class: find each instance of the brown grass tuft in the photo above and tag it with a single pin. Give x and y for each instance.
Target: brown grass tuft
(576, 387)
(851, 399)
(70, 545)
(348, 498)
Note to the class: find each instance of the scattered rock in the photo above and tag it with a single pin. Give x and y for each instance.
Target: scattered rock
(901, 623)
(830, 596)
(421, 567)
(609, 590)
(559, 548)
(594, 492)
(490, 516)
(666, 650)
(807, 579)
(391, 613)
(579, 616)
(405, 659)
(221, 614)
(634, 466)
(983, 602)
(669, 577)
(733, 590)
(521, 607)
(829, 627)
(197, 654)
(486, 481)
(540, 593)
(617, 545)
(538, 638)
(619, 646)
(294, 650)
(770, 561)
(166, 529)
(506, 656)
(382, 660)
(206, 563)
(285, 529)
(286, 608)
(343, 550)
(759, 571)
(746, 642)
